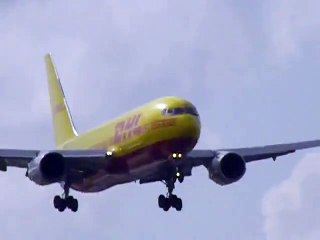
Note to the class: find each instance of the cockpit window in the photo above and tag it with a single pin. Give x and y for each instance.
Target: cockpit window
(180, 111)
(192, 111)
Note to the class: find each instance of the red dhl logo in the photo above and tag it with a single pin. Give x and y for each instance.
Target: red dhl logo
(127, 129)
(130, 128)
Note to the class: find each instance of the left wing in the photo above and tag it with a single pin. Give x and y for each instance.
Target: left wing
(212, 159)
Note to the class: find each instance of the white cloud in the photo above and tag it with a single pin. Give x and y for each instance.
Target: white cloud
(111, 56)
(107, 48)
(291, 209)
(291, 26)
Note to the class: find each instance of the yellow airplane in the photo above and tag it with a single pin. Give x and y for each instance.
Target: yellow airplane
(154, 142)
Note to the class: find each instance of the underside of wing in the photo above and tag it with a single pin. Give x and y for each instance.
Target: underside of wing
(44, 167)
(17, 157)
(271, 151)
(91, 159)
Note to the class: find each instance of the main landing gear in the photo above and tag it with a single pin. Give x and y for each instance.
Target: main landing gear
(66, 201)
(171, 200)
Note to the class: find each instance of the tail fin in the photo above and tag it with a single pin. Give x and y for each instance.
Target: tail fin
(63, 125)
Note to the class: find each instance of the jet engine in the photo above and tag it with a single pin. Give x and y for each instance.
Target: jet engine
(226, 168)
(47, 168)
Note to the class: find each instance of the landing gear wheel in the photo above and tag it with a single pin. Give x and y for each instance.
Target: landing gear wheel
(72, 203)
(164, 202)
(171, 200)
(166, 206)
(62, 203)
(177, 204)
(62, 206)
(161, 201)
(57, 201)
(66, 201)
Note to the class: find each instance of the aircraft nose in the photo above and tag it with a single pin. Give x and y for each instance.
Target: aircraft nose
(190, 126)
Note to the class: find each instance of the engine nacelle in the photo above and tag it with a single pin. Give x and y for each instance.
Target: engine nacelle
(226, 168)
(47, 168)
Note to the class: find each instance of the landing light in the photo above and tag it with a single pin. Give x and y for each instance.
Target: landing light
(178, 174)
(109, 153)
(176, 155)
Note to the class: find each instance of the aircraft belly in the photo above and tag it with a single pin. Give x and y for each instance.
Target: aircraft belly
(137, 165)
(105, 180)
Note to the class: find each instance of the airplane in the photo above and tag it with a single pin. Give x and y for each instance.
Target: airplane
(152, 143)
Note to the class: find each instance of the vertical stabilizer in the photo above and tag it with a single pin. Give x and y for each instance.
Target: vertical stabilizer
(63, 126)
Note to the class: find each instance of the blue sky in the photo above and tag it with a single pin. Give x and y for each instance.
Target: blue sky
(250, 68)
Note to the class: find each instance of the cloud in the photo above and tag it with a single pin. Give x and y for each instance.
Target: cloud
(120, 50)
(291, 209)
(291, 27)
(111, 56)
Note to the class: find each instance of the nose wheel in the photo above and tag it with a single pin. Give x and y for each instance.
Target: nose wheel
(179, 176)
(66, 201)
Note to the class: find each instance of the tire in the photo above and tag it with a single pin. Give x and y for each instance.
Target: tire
(57, 201)
(74, 205)
(69, 201)
(62, 206)
(173, 198)
(178, 204)
(167, 205)
(161, 201)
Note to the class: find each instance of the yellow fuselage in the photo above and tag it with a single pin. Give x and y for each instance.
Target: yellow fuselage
(139, 141)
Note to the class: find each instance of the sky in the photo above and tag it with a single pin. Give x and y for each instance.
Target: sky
(251, 68)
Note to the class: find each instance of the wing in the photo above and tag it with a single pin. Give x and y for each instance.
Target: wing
(16, 158)
(272, 151)
(92, 160)
(204, 157)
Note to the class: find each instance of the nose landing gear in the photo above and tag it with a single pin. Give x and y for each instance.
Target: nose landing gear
(179, 176)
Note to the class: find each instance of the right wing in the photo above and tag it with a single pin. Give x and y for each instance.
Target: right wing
(92, 160)
(16, 158)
